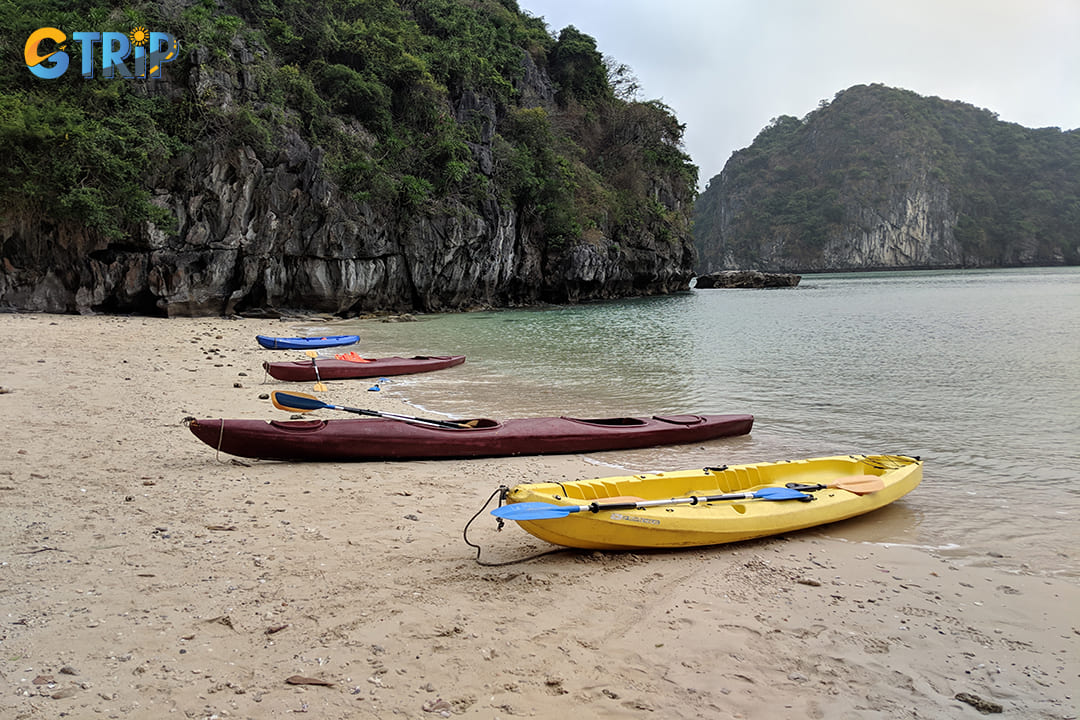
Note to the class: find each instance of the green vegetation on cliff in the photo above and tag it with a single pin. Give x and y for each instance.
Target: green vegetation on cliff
(417, 105)
(999, 193)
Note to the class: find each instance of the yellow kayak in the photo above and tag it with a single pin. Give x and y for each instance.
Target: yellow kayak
(709, 506)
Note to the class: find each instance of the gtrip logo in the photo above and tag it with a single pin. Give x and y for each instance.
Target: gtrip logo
(46, 53)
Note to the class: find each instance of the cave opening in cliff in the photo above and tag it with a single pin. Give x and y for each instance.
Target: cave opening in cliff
(143, 302)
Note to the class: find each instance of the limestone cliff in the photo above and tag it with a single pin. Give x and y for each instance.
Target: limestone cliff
(882, 178)
(342, 187)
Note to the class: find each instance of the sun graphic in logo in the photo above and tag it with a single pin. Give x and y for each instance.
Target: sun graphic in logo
(139, 36)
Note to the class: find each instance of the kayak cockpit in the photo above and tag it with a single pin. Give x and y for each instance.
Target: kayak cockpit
(298, 425)
(680, 419)
(608, 422)
(622, 422)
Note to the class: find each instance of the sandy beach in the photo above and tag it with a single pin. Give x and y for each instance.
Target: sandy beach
(142, 575)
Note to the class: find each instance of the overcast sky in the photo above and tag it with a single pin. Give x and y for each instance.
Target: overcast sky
(728, 67)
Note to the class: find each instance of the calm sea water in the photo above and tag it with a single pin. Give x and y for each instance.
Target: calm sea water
(977, 372)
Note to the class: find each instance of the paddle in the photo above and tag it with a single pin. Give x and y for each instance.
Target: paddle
(858, 484)
(320, 386)
(302, 402)
(548, 511)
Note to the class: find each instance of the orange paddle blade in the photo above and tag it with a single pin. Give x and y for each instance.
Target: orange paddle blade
(859, 484)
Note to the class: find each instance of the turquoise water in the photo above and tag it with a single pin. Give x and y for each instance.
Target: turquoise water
(977, 372)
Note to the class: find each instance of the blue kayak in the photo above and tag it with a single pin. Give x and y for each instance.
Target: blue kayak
(305, 343)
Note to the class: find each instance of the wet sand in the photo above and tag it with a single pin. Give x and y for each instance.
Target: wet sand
(145, 576)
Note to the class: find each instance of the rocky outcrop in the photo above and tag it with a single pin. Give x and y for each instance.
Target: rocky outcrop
(746, 279)
(247, 236)
(260, 239)
(885, 179)
(265, 231)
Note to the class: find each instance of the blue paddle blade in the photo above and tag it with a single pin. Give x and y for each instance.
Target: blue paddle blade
(778, 493)
(297, 402)
(533, 511)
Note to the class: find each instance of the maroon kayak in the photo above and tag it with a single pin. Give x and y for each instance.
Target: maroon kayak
(332, 369)
(384, 439)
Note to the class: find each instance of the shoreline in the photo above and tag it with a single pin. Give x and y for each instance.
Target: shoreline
(167, 578)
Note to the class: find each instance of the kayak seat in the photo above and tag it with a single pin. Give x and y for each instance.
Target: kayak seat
(351, 357)
(478, 423)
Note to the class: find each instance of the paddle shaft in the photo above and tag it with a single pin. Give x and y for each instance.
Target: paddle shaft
(301, 402)
(688, 500)
(395, 416)
(319, 384)
(547, 511)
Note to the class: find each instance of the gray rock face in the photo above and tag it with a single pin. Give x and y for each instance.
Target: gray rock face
(910, 224)
(266, 236)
